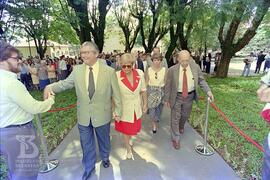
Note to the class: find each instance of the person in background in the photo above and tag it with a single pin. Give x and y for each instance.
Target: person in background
(24, 75)
(43, 75)
(33, 71)
(19, 141)
(263, 94)
(155, 80)
(267, 63)
(260, 59)
(248, 61)
(51, 72)
(132, 86)
(208, 63)
(62, 66)
(107, 58)
(138, 64)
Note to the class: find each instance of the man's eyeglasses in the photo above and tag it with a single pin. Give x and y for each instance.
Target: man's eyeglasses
(16, 58)
(126, 66)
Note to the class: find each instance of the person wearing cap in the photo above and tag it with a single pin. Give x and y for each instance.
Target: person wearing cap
(19, 142)
(181, 88)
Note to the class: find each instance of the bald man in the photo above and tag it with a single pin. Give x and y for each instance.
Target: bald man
(180, 90)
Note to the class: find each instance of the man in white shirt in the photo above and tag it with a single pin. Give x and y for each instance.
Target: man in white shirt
(18, 143)
(181, 89)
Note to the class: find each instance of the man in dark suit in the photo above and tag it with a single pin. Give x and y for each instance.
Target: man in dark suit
(181, 89)
(139, 64)
(259, 62)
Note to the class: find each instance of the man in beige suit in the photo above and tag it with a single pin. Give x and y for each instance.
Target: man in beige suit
(181, 89)
(95, 84)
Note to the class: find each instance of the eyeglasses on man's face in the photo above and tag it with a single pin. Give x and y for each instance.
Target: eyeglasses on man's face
(18, 58)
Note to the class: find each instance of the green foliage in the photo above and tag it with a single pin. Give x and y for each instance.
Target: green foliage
(205, 27)
(61, 32)
(56, 125)
(236, 97)
(3, 169)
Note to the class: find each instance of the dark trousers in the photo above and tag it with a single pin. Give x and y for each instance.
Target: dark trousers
(25, 80)
(208, 67)
(258, 67)
(266, 161)
(19, 146)
(88, 144)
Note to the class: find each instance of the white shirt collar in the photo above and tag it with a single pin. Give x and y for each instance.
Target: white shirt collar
(8, 73)
(94, 66)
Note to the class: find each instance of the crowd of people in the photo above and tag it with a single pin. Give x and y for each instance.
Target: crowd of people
(121, 87)
(35, 73)
(259, 57)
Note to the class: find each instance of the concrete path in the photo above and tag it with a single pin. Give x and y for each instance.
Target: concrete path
(155, 158)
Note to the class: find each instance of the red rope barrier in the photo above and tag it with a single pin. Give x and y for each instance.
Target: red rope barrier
(236, 128)
(62, 109)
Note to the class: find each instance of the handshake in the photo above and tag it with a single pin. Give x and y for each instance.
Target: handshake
(48, 93)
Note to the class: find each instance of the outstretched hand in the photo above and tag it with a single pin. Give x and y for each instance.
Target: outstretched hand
(263, 93)
(47, 93)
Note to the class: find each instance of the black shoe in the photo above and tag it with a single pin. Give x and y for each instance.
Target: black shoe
(106, 163)
(87, 174)
(154, 131)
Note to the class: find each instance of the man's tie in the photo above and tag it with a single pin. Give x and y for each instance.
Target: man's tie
(185, 84)
(91, 85)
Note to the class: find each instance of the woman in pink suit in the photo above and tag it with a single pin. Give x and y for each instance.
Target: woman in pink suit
(134, 100)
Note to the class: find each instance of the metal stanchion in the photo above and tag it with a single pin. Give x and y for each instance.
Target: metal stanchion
(47, 165)
(204, 149)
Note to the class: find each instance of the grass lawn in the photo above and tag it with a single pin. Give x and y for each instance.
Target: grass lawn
(56, 125)
(236, 97)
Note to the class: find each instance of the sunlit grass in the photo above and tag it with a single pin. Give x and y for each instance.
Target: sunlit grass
(236, 97)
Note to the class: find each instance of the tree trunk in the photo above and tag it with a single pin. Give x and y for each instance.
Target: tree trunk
(184, 44)
(223, 66)
(82, 14)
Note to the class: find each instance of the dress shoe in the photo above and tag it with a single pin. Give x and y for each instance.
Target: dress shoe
(181, 130)
(175, 144)
(154, 131)
(87, 174)
(106, 163)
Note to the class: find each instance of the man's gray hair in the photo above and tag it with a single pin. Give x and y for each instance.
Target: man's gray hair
(91, 45)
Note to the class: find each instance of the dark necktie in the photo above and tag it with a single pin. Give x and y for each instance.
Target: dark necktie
(91, 84)
(185, 84)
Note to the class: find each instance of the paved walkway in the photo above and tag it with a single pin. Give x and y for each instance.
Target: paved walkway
(155, 158)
